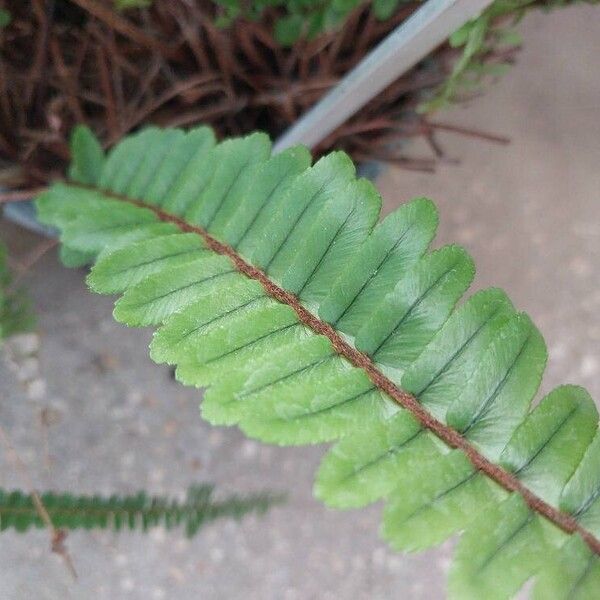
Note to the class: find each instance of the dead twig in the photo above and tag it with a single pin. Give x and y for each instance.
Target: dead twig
(24, 266)
(112, 121)
(469, 132)
(69, 84)
(20, 195)
(126, 28)
(57, 536)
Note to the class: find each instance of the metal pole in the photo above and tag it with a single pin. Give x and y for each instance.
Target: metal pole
(426, 29)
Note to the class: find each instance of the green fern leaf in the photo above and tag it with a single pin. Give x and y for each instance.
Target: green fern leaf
(547, 447)
(431, 503)
(501, 549)
(392, 248)
(573, 572)
(88, 157)
(269, 281)
(66, 511)
(581, 495)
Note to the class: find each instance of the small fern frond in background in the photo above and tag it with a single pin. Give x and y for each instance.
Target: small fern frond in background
(272, 283)
(16, 315)
(137, 512)
(493, 30)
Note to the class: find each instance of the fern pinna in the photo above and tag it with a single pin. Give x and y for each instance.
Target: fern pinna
(272, 284)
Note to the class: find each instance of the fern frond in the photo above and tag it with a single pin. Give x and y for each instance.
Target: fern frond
(270, 282)
(16, 315)
(66, 511)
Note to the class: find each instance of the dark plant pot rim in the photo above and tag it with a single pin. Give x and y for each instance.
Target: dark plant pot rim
(24, 214)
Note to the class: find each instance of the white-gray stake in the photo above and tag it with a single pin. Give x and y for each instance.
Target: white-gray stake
(414, 39)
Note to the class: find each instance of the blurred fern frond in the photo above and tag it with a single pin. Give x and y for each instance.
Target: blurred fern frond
(485, 45)
(139, 511)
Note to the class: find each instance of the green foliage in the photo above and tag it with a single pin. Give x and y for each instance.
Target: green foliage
(491, 31)
(66, 511)
(91, 156)
(264, 276)
(16, 315)
(309, 18)
(477, 37)
(289, 29)
(300, 18)
(125, 4)
(5, 18)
